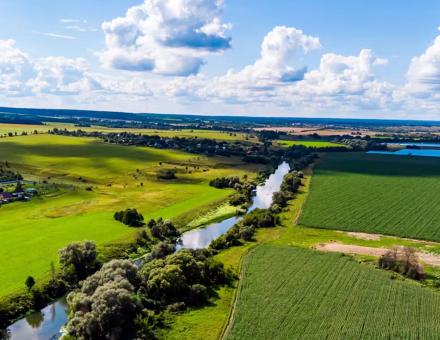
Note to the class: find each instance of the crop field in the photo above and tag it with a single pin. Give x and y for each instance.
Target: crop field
(120, 177)
(210, 134)
(294, 293)
(310, 144)
(377, 194)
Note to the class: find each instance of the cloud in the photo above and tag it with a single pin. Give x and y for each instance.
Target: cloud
(279, 79)
(77, 25)
(58, 36)
(15, 68)
(339, 74)
(76, 28)
(63, 76)
(279, 59)
(168, 37)
(73, 21)
(424, 70)
(21, 75)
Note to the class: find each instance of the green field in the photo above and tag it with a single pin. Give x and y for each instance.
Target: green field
(377, 194)
(310, 144)
(32, 232)
(294, 293)
(210, 134)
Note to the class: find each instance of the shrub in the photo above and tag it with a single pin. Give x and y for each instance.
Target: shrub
(198, 294)
(166, 174)
(403, 260)
(30, 282)
(162, 250)
(164, 230)
(130, 217)
(238, 199)
(225, 182)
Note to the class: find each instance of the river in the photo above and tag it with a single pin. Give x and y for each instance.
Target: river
(47, 323)
(202, 237)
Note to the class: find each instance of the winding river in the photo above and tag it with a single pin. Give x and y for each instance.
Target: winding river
(47, 323)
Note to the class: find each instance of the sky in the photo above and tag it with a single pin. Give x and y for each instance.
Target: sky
(302, 58)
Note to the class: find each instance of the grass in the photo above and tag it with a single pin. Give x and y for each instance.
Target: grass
(31, 233)
(295, 293)
(188, 133)
(376, 194)
(310, 144)
(219, 213)
(204, 323)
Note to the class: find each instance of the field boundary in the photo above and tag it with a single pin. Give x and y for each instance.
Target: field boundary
(309, 172)
(231, 316)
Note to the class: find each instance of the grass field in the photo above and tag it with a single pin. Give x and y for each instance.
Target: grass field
(377, 194)
(210, 134)
(294, 293)
(31, 233)
(310, 144)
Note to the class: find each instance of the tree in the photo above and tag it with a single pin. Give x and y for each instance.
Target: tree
(164, 230)
(18, 187)
(130, 217)
(162, 250)
(30, 282)
(78, 260)
(104, 307)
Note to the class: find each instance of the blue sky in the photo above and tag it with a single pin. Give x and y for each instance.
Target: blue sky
(338, 58)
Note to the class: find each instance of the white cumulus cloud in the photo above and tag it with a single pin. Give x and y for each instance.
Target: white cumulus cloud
(424, 70)
(169, 37)
(63, 76)
(279, 59)
(15, 68)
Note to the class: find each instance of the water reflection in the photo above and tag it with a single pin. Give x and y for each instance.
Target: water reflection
(263, 197)
(35, 319)
(42, 325)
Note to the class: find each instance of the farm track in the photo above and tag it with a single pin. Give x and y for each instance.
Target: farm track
(428, 258)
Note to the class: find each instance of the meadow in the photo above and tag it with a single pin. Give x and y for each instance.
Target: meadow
(119, 177)
(310, 144)
(294, 293)
(376, 194)
(187, 133)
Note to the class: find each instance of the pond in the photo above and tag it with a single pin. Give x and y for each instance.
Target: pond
(47, 324)
(409, 152)
(422, 145)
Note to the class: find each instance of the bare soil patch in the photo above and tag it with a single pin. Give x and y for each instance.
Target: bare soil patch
(428, 258)
(365, 236)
